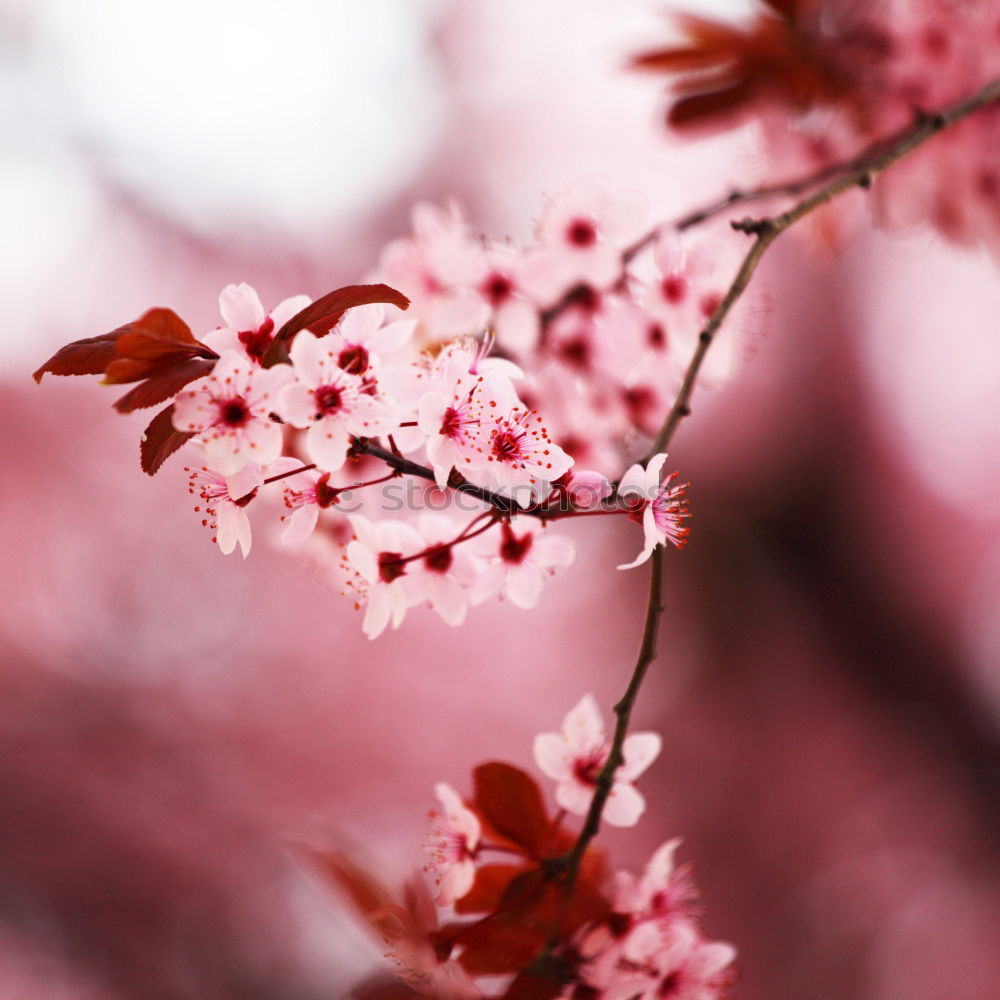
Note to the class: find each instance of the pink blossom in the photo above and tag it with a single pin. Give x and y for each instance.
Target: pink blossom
(660, 893)
(662, 506)
(519, 562)
(583, 232)
(455, 412)
(224, 500)
(331, 402)
(249, 330)
(305, 495)
(437, 268)
(513, 314)
(362, 338)
(666, 962)
(453, 845)
(575, 757)
(522, 461)
(230, 412)
(378, 559)
(444, 575)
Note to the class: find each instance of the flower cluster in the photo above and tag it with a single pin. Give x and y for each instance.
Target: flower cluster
(471, 390)
(501, 903)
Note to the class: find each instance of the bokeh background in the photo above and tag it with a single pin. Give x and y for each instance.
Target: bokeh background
(173, 723)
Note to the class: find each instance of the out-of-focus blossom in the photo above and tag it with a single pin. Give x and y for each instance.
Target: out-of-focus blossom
(453, 845)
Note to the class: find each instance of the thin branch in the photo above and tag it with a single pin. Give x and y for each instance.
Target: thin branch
(502, 504)
(623, 712)
(859, 174)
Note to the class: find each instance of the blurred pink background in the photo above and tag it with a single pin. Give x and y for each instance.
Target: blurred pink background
(174, 722)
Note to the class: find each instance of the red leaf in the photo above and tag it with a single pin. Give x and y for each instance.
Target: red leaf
(715, 105)
(365, 891)
(490, 948)
(160, 440)
(488, 889)
(526, 986)
(323, 314)
(156, 333)
(163, 384)
(512, 802)
(83, 357)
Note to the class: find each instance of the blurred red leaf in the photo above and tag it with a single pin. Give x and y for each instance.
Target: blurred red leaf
(723, 68)
(492, 948)
(488, 889)
(324, 314)
(713, 104)
(160, 440)
(527, 986)
(366, 892)
(512, 802)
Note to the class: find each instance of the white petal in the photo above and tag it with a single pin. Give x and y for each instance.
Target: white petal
(553, 756)
(227, 527)
(553, 551)
(239, 484)
(633, 482)
(301, 524)
(582, 726)
(363, 560)
(296, 403)
(711, 958)
(377, 612)
(574, 797)
(240, 307)
(639, 751)
(327, 443)
(288, 308)
(624, 806)
(392, 337)
(639, 559)
(524, 586)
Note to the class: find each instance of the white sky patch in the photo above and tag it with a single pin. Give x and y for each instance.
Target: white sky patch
(254, 114)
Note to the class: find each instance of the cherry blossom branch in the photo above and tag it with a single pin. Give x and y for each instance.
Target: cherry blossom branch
(860, 173)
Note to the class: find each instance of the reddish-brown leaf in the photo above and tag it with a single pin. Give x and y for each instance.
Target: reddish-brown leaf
(83, 357)
(160, 440)
(523, 894)
(161, 385)
(365, 891)
(512, 802)
(713, 107)
(488, 889)
(491, 948)
(527, 986)
(323, 314)
(158, 332)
